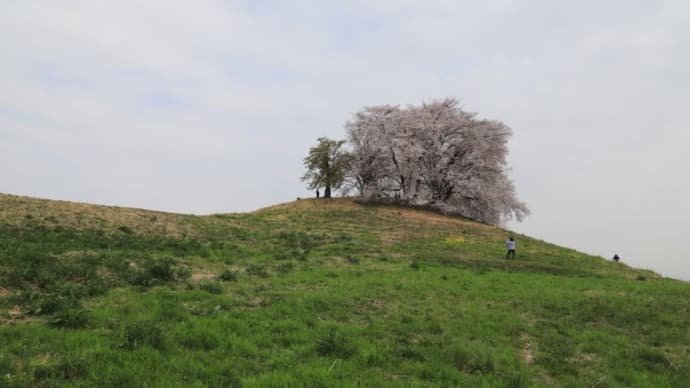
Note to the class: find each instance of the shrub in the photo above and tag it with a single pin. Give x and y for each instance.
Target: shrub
(374, 360)
(199, 340)
(473, 361)
(143, 333)
(183, 273)
(415, 265)
(40, 303)
(6, 365)
(228, 276)
(225, 378)
(652, 359)
(71, 318)
(285, 267)
(516, 379)
(257, 270)
(412, 354)
(96, 285)
(211, 287)
(153, 272)
(169, 310)
(482, 362)
(298, 240)
(333, 343)
(36, 271)
(67, 369)
(141, 278)
(205, 251)
(162, 270)
(125, 229)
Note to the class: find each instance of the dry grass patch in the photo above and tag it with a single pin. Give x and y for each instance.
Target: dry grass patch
(527, 353)
(24, 211)
(15, 313)
(585, 360)
(369, 306)
(594, 293)
(45, 358)
(201, 276)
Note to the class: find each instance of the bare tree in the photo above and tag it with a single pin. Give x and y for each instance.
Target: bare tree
(434, 154)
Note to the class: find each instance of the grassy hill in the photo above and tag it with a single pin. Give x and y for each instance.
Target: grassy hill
(320, 293)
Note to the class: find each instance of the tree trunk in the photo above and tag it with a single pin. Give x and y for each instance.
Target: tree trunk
(327, 192)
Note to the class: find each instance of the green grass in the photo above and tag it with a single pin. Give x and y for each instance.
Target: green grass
(320, 293)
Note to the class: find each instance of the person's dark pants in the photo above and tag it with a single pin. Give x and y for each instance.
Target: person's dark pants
(511, 253)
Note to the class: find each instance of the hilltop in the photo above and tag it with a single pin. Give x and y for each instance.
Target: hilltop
(320, 293)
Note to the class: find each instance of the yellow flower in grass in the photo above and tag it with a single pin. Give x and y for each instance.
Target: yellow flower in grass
(455, 240)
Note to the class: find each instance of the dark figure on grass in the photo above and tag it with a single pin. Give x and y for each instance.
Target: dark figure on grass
(616, 258)
(317, 194)
(510, 244)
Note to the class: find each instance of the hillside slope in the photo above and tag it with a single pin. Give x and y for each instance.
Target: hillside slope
(320, 293)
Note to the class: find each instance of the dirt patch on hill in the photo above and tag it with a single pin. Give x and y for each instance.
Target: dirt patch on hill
(202, 276)
(15, 313)
(370, 306)
(527, 353)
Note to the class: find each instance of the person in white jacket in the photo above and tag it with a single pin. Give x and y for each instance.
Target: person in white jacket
(510, 244)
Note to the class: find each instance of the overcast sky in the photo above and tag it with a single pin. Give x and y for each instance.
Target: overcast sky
(210, 106)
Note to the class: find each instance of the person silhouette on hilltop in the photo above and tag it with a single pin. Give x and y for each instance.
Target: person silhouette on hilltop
(616, 258)
(510, 244)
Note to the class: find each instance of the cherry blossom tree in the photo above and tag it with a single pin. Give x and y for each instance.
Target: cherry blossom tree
(435, 154)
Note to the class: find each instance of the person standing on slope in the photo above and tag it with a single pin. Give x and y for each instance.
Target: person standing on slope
(510, 244)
